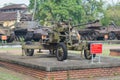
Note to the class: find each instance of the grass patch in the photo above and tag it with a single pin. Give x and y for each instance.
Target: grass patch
(6, 76)
(106, 52)
(106, 49)
(10, 48)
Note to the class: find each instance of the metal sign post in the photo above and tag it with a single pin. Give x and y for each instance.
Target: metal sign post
(92, 59)
(96, 48)
(99, 57)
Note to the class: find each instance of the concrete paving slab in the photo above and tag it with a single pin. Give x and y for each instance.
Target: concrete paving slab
(47, 62)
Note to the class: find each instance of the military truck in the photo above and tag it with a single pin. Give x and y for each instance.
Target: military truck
(58, 39)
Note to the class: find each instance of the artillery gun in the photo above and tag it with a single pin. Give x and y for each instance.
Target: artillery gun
(58, 39)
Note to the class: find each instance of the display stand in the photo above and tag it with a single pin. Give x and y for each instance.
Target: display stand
(96, 48)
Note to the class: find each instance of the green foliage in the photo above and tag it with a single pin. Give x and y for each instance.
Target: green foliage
(81, 11)
(105, 20)
(113, 13)
(57, 10)
(92, 9)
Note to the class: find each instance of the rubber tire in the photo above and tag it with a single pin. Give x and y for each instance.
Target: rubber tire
(11, 38)
(88, 55)
(111, 36)
(65, 53)
(29, 36)
(29, 52)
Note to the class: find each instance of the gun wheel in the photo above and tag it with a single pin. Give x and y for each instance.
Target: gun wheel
(88, 55)
(29, 52)
(61, 52)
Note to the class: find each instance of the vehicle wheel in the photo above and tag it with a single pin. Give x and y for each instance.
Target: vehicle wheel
(29, 52)
(29, 36)
(111, 36)
(96, 35)
(61, 52)
(88, 55)
(11, 38)
(118, 37)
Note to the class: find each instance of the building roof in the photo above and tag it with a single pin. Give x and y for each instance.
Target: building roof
(8, 16)
(14, 6)
(10, 12)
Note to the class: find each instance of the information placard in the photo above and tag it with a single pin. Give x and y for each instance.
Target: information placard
(96, 48)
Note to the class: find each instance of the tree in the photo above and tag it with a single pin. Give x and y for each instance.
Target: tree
(113, 13)
(92, 9)
(79, 10)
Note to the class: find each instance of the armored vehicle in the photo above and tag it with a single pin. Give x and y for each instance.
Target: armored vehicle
(26, 31)
(93, 31)
(5, 31)
(113, 31)
(58, 39)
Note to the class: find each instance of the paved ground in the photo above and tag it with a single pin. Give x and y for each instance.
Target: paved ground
(47, 62)
(17, 76)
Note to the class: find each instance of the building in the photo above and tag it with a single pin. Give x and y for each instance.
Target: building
(14, 8)
(14, 13)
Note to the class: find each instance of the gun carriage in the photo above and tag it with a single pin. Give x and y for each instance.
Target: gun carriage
(58, 39)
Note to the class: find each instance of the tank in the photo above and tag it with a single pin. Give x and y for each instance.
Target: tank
(27, 31)
(5, 31)
(113, 31)
(93, 31)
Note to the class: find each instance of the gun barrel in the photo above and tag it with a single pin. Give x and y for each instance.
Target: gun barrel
(85, 23)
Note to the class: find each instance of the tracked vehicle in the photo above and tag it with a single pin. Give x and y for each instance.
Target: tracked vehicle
(113, 31)
(93, 31)
(5, 31)
(26, 31)
(58, 39)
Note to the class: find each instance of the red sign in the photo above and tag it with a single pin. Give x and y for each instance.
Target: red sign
(96, 48)
(4, 37)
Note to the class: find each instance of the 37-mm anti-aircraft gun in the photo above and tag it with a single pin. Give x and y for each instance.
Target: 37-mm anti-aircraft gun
(58, 39)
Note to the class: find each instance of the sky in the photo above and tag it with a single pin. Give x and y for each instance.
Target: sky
(2, 2)
(112, 1)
